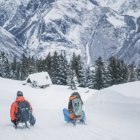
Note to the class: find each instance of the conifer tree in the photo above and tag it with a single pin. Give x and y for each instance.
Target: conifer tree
(24, 67)
(77, 66)
(112, 71)
(14, 67)
(131, 73)
(55, 68)
(89, 78)
(4, 66)
(99, 74)
(72, 79)
(81, 73)
(138, 73)
(117, 71)
(73, 62)
(63, 69)
(32, 65)
(18, 71)
(7, 73)
(48, 64)
(40, 65)
(124, 72)
(1, 65)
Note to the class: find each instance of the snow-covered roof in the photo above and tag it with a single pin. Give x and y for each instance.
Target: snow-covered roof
(41, 78)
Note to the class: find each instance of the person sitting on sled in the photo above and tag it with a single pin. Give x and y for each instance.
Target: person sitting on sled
(74, 111)
(21, 111)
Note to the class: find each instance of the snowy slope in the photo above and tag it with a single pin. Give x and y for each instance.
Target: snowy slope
(114, 4)
(117, 110)
(126, 7)
(10, 45)
(9, 9)
(112, 113)
(92, 28)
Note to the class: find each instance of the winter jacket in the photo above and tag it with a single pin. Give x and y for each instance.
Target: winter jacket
(14, 107)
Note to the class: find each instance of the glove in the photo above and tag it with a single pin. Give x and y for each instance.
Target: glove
(14, 122)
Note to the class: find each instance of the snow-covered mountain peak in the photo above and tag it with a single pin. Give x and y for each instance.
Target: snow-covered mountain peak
(92, 28)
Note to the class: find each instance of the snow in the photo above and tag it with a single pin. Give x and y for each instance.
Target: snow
(114, 4)
(127, 90)
(112, 113)
(25, 2)
(88, 54)
(74, 34)
(56, 15)
(5, 33)
(9, 44)
(116, 21)
(121, 5)
(71, 9)
(41, 78)
(134, 13)
(59, 48)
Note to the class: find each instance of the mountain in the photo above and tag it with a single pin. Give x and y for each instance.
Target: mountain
(124, 7)
(43, 26)
(10, 45)
(92, 28)
(131, 7)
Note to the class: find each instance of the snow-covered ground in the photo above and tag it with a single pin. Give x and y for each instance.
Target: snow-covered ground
(112, 113)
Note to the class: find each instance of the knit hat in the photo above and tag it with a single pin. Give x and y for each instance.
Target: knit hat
(19, 93)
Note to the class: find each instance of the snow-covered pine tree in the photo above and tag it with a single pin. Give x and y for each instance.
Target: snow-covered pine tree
(99, 74)
(40, 64)
(131, 73)
(89, 78)
(123, 72)
(24, 67)
(55, 68)
(106, 74)
(117, 71)
(81, 73)
(138, 73)
(7, 73)
(119, 77)
(74, 63)
(72, 79)
(112, 72)
(4, 66)
(48, 65)
(1, 65)
(14, 67)
(77, 66)
(32, 65)
(18, 71)
(63, 69)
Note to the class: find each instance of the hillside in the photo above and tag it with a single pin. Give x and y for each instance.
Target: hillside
(92, 28)
(112, 113)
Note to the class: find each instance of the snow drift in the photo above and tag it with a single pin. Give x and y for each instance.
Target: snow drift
(111, 114)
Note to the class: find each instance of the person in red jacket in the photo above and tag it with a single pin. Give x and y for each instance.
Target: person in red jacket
(14, 107)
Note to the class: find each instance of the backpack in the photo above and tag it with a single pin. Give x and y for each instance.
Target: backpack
(23, 114)
(77, 106)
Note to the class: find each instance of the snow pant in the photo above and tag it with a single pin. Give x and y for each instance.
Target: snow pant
(67, 115)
